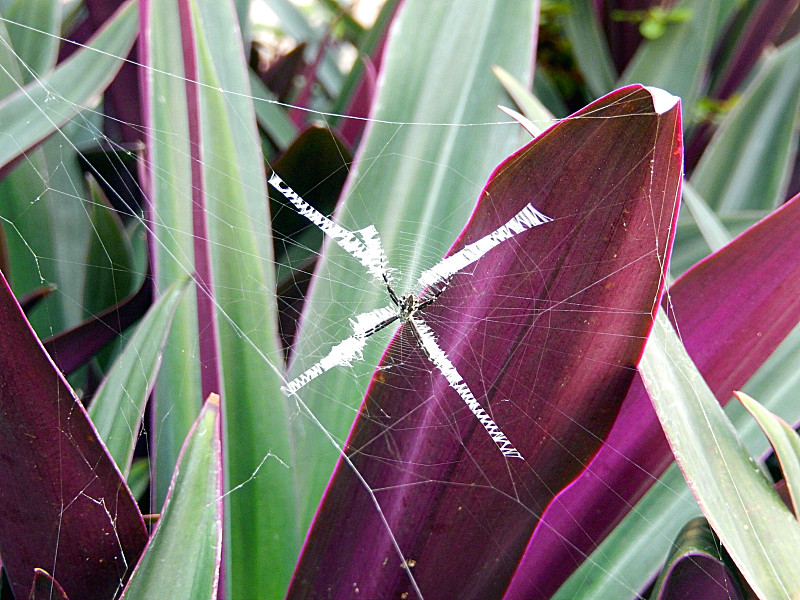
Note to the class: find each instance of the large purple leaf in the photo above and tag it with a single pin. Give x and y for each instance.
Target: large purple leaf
(755, 286)
(546, 329)
(65, 506)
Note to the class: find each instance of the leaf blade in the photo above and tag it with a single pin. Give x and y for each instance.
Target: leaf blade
(417, 452)
(720, 472)
(60, 484)
(35, 112)
(191, 520)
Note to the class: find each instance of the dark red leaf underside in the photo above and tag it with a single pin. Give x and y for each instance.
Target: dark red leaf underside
(65, 507)
(546, 330)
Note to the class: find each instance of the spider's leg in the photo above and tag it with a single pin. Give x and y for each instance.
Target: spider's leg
(427, 340)
(391, 291)
(431, 299)
(364, 245)
(525, 219)
(348, 350)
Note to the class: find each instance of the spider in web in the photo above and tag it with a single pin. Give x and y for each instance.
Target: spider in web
(365, 246)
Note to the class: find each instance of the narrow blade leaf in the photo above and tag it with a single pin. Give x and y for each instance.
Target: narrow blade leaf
(118, 406)
(784, 441)
(757, 529)
(184, 550)
(696, 568)
(728, 339)
(33, 113)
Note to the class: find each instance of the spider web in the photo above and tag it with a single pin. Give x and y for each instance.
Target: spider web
(414, 244)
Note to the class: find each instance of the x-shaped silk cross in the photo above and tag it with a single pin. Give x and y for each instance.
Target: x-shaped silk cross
(365, 246)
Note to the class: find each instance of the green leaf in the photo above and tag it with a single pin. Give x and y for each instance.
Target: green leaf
(756, 528)
(31, 114)
(415, 183)
(169, 184)
(589, 46)
(297, 26)
(693, 244)
(629, 558)
(138, 479)
(109, 260)
(118, 406)
(529, 104)
(783, 439)
(183, 553)
(272, 118)
(34, 27)
(697, 566)
(547, 92)
(709, 224)
(677, 60)
(44, 218)
(749, 161)
(368, 45)
(263, 537)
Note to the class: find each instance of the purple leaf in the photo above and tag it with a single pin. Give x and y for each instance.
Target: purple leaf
(279, 76)
(65, 506)
(755, 286)
(698, 567)
(700, 576)
(546, 330)
(74, 347)
(763, 26)
(122, 96)
(45, 587)
(30, 300)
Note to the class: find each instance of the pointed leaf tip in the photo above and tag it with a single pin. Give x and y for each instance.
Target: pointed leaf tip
(662, 99)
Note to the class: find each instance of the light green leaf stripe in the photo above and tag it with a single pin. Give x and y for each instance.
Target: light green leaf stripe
(118, 405)
(169, 181)
(749, 161)
(711, 227)
(184, 551)
(628, 559)
(784, 441)
(31, 114)
(417, 184)
(530, 105)
(758, 531)
(262, 535)
(34, 27)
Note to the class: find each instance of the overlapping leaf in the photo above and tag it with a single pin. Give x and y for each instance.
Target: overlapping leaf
(721, 474)
(429, 478)
(728, 339)
(66, 507)
(192, 520)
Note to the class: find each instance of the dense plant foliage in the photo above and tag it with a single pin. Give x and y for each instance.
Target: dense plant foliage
(416, 330)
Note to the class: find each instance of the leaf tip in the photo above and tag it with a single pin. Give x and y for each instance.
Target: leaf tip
(662, 99)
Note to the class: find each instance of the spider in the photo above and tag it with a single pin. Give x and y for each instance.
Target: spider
(365, 246)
